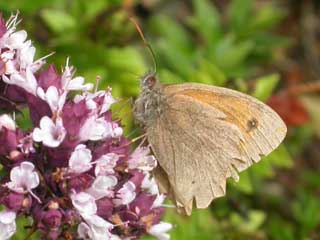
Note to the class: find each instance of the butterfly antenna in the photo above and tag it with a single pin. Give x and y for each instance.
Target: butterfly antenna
(146, 43)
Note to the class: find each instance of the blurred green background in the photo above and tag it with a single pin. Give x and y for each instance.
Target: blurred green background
(268, 49)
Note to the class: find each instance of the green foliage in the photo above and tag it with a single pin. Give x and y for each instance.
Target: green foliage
(305, 211)
(265, 86)
(229, 48)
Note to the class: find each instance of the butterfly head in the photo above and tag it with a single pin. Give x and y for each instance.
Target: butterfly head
(147, 106)
(149, 81)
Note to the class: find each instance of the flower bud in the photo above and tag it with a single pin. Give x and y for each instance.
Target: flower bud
(14, 201)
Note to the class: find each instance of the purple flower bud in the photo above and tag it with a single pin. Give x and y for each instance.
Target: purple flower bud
(157, 214)
(137, 178)
(105, 207)
(13, 94)
(81, 182)
(52, 218)
(120, 147)
(8, 140)
(49, 77)
(38, 109)
(142, 204)
(59, 157)
(14, 201)
(2, 67)
(74, 116)
(3, 28)
(53, 234)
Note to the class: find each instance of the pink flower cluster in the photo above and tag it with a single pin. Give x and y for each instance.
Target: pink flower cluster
(73, 173)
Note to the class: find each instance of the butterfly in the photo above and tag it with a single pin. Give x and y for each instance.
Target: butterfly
(201, 135)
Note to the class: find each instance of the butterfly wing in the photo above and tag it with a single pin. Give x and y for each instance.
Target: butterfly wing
(206, 134)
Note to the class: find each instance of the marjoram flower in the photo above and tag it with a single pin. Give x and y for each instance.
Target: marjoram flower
(72, 172)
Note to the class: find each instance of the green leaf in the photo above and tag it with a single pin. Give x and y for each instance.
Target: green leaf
(167, 76)
(208, 73)
(261, 170)
(23, 119)
(92, 8)
(229, 54)
(172, 32)
(266, 17)
(265, 86)
(251, 224)
(312, 103)
(22, 232)
(24, 6)
(58, 21)
(244, 184)
(241, 85)
(206, 21)
(128, 59)
(92, 74)
(240, 13)
(201, 225)
(306, 212)
(280, 157)
(265, 43)
(174, 46)
(300, 138)
(127, 67)
(217, 76)
(278, 229)
(177, 61)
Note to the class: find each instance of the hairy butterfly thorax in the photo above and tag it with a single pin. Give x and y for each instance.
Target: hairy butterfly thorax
(148, 106)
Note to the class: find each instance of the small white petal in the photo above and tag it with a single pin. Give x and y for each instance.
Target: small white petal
(16, 40)
(23, 178)
(7, 216)
(26, 55)
(80, 160)
(158, 201)
(98, 227)
(95, 129)
(102, 186)
(50, 133)
(40, 93)
(37, 135)
(108, 101)
(52, 97)
(7, 122)
(31, 82)
(27, 166)
(76, 83)
(117, 132)
(7, 224)
(84, 203)
(126, 194)
(10, 67)
(78, 98)
(8, 55)
(160, 230)
(106, 163)
(84, 231)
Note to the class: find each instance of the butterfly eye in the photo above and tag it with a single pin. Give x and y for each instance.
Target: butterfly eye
(150, 81)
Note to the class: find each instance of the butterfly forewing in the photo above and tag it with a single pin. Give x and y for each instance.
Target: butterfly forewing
(263, 130)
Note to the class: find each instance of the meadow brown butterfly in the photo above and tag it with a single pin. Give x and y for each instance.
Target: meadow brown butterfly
(201, 135)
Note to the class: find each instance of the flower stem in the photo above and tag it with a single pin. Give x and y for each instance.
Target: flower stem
(32, 231)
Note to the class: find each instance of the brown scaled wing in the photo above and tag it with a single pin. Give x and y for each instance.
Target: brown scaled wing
(205, 135)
